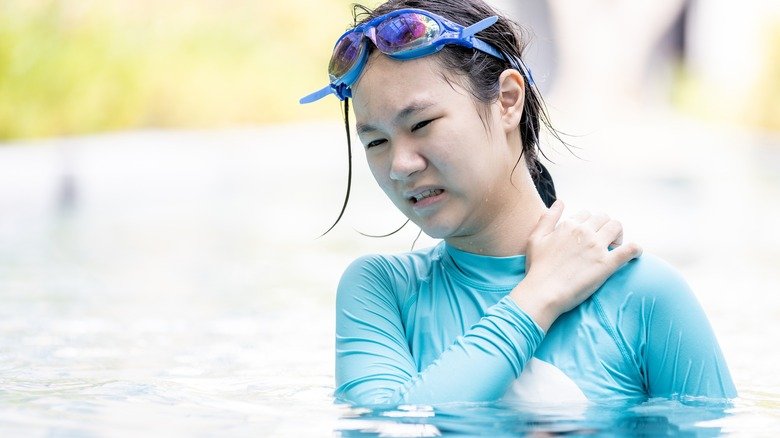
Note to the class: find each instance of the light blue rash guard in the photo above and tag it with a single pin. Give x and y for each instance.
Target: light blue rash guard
(437, 325)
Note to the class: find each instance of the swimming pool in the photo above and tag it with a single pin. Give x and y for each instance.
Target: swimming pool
(172, 282)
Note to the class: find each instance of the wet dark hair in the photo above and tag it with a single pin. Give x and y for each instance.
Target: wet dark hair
(481, 72)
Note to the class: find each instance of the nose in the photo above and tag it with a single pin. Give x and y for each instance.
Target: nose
(406, 161)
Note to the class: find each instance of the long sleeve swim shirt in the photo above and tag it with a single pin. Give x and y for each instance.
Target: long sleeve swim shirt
(437, 325)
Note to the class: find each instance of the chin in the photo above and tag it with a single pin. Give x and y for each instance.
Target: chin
(439, 225)
(436, 230)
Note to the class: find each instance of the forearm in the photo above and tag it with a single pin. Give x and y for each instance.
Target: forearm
(479, 366)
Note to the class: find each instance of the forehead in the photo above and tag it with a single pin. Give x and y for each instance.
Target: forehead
(388, 85)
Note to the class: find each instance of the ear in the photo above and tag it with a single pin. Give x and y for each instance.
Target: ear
(511, 98)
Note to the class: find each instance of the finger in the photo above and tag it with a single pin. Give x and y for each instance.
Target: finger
(610, 233)
(624, 253)
(617, 241)
(596, 221)
(580, 217)
(548, 220)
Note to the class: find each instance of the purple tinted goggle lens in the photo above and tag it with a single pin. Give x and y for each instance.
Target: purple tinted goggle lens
(395, 35)
(346, 54)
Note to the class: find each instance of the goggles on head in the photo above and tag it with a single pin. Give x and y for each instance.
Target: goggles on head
(401, 34)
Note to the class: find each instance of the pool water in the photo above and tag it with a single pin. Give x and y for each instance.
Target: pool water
(654, 418)
(173, 283)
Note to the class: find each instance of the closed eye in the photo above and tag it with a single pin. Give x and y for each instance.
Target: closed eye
(375, 143)
(421, 125)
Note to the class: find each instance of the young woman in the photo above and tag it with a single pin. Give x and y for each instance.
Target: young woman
(512, 304)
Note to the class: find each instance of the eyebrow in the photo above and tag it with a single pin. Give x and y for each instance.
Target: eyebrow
(409, 110)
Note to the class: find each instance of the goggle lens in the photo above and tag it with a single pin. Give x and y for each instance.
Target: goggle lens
(405, 32)
(345, 54)
(397, 34)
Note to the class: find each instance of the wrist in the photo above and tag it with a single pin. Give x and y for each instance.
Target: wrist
(537, 302)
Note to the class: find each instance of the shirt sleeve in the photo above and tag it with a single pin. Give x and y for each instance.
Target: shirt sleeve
(675, 346)
(374, 365)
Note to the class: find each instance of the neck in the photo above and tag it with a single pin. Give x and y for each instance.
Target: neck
(507, 233)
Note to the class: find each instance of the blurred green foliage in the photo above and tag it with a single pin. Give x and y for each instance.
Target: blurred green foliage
(72, 67)
(80, 66)
(57, 76)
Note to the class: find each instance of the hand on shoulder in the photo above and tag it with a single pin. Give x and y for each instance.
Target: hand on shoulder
(567, 261)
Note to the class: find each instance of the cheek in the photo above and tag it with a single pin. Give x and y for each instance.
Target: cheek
(379, 170)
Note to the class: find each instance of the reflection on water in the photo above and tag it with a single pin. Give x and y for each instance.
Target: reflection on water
(654, 418)
(175, 281)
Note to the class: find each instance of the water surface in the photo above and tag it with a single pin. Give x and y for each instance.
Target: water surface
(172, 282)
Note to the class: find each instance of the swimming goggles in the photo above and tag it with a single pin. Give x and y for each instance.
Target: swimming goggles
(401, 34)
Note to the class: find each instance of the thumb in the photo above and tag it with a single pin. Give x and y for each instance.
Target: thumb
(548, 220)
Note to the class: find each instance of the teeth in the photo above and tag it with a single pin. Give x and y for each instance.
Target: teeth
(427, 194)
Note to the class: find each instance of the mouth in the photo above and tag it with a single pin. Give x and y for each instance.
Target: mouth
(426, 194)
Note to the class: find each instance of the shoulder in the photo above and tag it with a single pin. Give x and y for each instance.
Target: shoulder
(395, 273)
(403, 264)
(644, 294)
(645, 287)
(648, 276)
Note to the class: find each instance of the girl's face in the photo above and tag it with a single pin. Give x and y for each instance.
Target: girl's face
(430, 151)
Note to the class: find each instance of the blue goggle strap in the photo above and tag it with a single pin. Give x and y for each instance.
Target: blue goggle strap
(477, 27)
(317, 95)
(466, 35)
